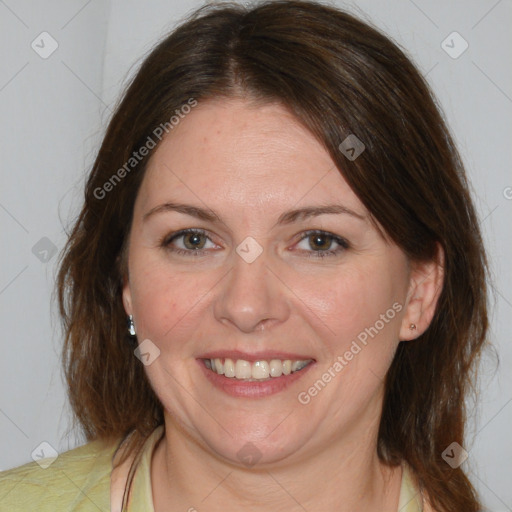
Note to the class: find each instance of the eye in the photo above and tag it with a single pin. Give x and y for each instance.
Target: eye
(189, 242)
(194, 242)
(321, 243)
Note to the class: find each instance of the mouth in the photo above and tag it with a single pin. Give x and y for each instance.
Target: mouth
(254, 376)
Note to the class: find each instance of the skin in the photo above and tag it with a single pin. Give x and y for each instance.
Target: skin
(250, 164)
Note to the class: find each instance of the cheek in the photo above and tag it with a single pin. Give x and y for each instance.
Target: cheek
(352, 302)
(165, 303)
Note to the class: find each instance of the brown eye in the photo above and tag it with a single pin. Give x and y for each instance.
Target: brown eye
(320, 241)
(189, 242)
(194, 240)
(320, 244)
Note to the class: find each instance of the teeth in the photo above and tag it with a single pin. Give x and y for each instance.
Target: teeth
(243, 369)
(298, 365)
(259, 370)
(276, 368)
(229, 368)
(219, 367)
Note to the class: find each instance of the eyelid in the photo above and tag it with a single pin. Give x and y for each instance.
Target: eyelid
(342, 242)
(169, 238)
(166, 240)
(339, 239)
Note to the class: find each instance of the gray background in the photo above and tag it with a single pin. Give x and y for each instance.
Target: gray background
(53, 113)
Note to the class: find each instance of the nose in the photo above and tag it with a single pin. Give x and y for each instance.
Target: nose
(252, 297)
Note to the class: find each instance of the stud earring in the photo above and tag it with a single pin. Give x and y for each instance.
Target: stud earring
(412, 327)
(131, 326)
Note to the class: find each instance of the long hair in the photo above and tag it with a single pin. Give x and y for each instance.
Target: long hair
(338, 76)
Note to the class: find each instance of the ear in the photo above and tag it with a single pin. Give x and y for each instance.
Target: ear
(425, 285)
(127, 296)
(122, 266)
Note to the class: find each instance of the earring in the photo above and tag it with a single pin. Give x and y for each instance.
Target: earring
(412, 327)
(131, 326)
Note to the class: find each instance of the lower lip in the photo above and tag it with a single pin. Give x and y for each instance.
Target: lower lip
(239, 388)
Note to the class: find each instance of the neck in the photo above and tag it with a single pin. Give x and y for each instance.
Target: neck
(346, 476)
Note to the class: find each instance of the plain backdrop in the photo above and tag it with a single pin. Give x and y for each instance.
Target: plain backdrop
(53, 113)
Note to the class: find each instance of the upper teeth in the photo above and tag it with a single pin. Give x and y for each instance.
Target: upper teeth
(241, 369)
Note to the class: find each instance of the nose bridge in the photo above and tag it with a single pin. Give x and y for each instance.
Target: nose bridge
(251, 295)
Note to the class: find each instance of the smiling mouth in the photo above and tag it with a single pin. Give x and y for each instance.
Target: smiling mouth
(248, 371)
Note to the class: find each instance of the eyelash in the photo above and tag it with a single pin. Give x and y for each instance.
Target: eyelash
(166, 243)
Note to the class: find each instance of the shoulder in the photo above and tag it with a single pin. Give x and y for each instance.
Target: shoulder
(413, 497)
(77, 480)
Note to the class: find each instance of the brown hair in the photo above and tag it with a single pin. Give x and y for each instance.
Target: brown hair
(338, 76)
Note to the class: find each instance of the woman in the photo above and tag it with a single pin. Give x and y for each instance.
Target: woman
(280, 215)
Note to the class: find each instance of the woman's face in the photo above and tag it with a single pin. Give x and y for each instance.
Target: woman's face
(281, 264)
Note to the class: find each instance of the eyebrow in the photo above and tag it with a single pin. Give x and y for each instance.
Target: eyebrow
(285, 218)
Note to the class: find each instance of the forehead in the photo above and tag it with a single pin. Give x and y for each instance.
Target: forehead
(231, 150)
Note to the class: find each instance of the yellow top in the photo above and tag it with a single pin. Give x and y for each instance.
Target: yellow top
(79, 481)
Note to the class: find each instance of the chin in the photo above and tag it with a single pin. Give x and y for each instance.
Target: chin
(255, 447)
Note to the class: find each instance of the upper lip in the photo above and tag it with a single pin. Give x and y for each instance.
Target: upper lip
(266, 355)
